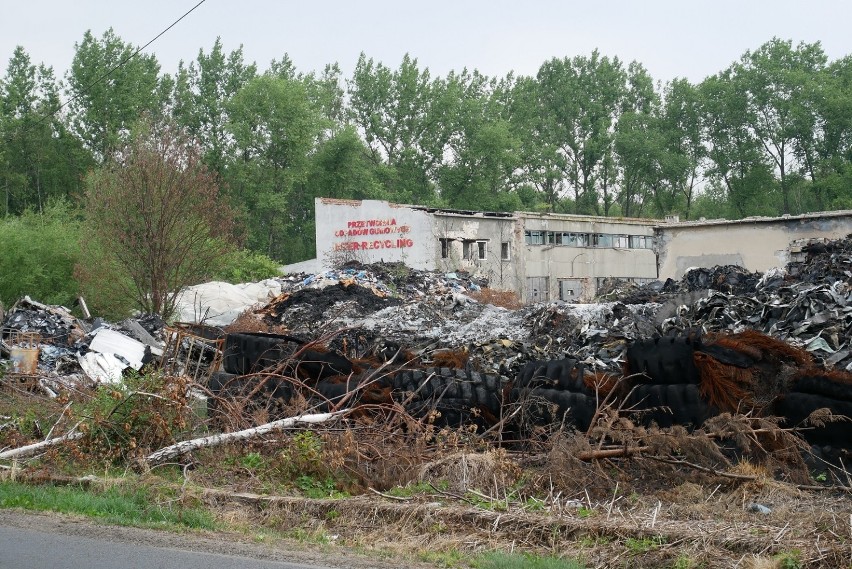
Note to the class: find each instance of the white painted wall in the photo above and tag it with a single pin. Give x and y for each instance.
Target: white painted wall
(373, 231)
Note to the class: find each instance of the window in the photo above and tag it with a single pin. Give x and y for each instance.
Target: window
(482, 246)
(445, 248)
(601, 240)
(641, 242)
(534, 237)
(620, 241)
(504, 251)
(467, 250)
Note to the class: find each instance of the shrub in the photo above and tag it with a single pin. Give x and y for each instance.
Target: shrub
(38, 252)
(242, 266)
(154, 219)
(125, 421)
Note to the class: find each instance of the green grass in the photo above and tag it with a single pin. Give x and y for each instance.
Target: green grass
(497, 560)
(643, 545)
(115, 505)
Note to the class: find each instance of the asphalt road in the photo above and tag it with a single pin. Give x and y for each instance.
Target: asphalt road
(46, 541)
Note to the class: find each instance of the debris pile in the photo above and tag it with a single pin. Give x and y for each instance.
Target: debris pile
(731, 337)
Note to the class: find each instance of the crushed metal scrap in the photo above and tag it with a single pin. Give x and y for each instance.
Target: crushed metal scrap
(720, 340)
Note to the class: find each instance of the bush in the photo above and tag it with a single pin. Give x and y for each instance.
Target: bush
(126, 421)
(38, 252)
(243, 266)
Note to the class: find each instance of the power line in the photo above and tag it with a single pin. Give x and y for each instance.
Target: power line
(120, 64)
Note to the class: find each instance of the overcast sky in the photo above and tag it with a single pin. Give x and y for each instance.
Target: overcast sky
(672, 38)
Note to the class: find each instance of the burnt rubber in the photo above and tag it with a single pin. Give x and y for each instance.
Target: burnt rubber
(668, 405)
(668, 360)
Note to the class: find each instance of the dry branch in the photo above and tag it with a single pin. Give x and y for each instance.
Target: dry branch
(32, 449)
(184, 447)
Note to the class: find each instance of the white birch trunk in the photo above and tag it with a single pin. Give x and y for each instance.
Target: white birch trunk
(214, 440)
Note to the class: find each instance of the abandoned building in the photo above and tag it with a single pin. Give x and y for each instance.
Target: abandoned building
(549, 256)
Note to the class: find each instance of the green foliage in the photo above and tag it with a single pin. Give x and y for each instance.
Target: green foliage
(638, 546)
(154, 221)
(242, 266)
(252, 461)
(40, 160)
(789, 560)
(497, 560)
(102, 112)
(38, 253)
(319, 488)
(416, 488)
(145, 412)
(137, 506)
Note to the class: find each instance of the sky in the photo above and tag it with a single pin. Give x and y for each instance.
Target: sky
(671, 38)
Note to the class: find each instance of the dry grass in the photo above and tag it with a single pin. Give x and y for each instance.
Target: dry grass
(684, 498)
(502, 298)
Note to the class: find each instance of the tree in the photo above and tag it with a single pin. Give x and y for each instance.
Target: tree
(275, 128)
(109, 89)
(201, 94)
(483, 148)
(406, 118)
(40, 160)
(581, 100)
(738, 166)
(155, 219)
(778, 81)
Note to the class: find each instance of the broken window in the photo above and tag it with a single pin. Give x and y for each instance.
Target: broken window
(534, 237)
(482, 247)
(641, 242)
(504, 251)
(601, 240)
(620, 241)
(445, 248)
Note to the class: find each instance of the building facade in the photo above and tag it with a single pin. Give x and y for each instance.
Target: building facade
(547, 256)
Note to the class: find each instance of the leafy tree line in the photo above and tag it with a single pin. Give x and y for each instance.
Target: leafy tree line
(588, 134)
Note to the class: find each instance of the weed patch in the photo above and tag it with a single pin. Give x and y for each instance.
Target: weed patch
(115, 505)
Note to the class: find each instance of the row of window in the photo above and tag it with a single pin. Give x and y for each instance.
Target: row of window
(474, 250)
(568, 239)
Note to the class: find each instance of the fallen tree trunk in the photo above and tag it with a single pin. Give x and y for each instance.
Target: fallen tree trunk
(184, 447)
(30, 450)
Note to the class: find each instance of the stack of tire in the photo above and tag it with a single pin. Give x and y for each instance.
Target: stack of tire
(554, 392)
(663, 386)
(260, 368)
(814, 390)
(447, 397)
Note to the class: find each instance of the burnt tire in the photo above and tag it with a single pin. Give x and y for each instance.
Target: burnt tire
(796, 407)
(668, 405)
(566, 374)
(247, 352)
(547, 406)
(668, 360)
(316, 366)
(248, 394)
(824, 385)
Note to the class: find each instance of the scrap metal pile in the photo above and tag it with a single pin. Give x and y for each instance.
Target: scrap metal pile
(379, 337)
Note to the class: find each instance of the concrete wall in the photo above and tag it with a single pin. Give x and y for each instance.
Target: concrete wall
(376, 231)
(494, 231)
(757, 244)
(372, 231)
(581, 266)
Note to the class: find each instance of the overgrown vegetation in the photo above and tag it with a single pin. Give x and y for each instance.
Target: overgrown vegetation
(38, 252)
(768, 135)
(154, 219)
